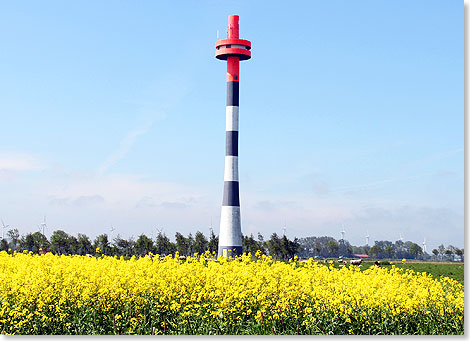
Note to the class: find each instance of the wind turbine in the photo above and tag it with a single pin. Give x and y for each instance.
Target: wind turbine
(401, 238)
(284, 228)
(424, 245)
(43, 226)
(159, 230)
(210, 227)
(367, 238)
(342, 232)
(3, 229)
(111, 229)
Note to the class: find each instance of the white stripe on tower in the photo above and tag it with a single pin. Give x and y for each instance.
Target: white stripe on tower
(231, 168)
(231, 118)
(230, 236)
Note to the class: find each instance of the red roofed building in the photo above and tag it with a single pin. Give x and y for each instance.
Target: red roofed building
(361, 256)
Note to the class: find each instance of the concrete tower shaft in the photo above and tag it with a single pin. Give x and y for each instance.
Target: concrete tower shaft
(232, 50)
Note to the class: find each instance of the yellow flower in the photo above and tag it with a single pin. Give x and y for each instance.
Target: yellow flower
(50, 289)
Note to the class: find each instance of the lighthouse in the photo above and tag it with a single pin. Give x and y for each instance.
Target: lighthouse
(233, 50)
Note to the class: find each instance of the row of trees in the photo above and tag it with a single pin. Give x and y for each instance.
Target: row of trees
(279, 247)
(443, 253)
(329, 247)
(62, 243)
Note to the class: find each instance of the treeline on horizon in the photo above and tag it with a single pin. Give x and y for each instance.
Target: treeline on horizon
(280, 247)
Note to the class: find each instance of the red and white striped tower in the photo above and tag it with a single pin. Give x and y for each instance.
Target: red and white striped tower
(232, 50)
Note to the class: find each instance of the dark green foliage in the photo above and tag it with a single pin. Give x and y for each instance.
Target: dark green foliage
(201, 244)
(27, 242)
(14, 237)
(84, 245)
(102, 242)
(143, 245)
(213, 244)
(375, 251)
(251, 245)
(4, 245)
(282, 248)
(183, 246)
(163, 245)
(415, 250)
(123, 247)
(333, 248)
(62, 243)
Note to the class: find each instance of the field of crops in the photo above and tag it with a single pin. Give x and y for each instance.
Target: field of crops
(51, 294)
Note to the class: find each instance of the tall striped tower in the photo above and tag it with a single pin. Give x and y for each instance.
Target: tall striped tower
(232, 50)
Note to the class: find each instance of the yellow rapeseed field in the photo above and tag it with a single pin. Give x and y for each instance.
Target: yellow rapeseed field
(50, 294)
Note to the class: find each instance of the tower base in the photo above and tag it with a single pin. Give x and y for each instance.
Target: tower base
(229, 251)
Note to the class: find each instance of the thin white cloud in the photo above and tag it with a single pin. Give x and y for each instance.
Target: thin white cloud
(157, 99)
(124, 146)
(19, 162)
(81, 201)
(86, 203)
(374, 184)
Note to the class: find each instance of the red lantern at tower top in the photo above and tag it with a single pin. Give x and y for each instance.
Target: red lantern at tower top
(233, 46)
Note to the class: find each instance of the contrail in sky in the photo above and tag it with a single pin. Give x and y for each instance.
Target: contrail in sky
(124, 146)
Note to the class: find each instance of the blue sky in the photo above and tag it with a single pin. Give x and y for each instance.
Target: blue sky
(113, 112)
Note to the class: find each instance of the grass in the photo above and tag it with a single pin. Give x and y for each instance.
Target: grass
(436, 269)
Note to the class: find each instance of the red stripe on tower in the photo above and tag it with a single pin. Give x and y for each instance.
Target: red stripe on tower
(233, 69)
